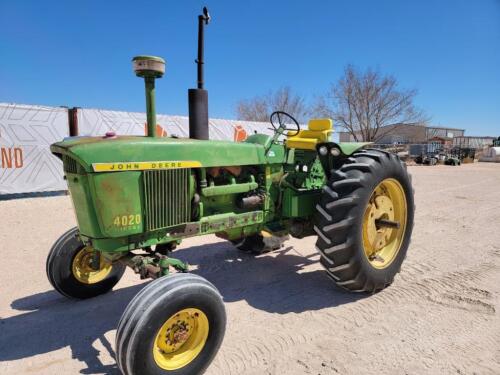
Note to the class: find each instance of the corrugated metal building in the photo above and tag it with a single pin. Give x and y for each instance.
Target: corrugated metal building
(473, 141)
(406, 133)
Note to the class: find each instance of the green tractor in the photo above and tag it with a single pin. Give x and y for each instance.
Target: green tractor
(136, 198)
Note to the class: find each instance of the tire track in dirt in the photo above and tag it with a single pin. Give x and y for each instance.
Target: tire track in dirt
(251, 353)
(451, 290)
(417, 283)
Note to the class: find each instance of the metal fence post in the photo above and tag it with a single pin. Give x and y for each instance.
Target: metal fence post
(73, 121)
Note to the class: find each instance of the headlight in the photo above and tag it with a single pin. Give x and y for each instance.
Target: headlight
(335, 151)
(323, 151)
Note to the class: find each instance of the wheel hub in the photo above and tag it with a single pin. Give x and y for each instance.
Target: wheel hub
(384, 223)
(380, 207)
(84, 269)
(181, 339)
(177, 332)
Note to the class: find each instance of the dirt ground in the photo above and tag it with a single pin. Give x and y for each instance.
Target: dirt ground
(285, 316)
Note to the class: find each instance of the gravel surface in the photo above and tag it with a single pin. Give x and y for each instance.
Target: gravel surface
(285, 316)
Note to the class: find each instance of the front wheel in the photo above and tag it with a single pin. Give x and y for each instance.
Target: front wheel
(364, 221)
(71, 271)
(175, 325)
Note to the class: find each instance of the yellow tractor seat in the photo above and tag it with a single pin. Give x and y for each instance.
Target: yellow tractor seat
(319, 131)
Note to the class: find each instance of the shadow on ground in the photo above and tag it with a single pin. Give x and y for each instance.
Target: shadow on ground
(275, 283)
(55, 322)
(278, 283)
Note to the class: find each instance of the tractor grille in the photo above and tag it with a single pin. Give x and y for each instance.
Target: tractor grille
(69, 164)
(167, 200)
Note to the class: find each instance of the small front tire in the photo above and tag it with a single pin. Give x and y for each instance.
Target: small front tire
(175, 325)
(70, 273)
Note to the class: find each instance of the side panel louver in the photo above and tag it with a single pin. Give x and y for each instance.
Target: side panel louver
(69, 164)
(167, 200)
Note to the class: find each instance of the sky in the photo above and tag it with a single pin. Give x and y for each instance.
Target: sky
(78, 53)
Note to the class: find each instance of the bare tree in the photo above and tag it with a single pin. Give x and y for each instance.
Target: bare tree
(364, 103)
(260, 108)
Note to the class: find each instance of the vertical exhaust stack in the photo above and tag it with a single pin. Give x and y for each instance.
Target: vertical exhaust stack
(198, 98)
(149, 68)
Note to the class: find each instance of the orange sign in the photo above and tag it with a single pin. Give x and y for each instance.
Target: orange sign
(240, 134)
(160, 132)
(12, 157)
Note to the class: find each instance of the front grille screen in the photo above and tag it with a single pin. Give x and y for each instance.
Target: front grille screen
(167, 200)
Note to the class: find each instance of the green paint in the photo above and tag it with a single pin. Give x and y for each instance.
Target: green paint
(113, 208)
(89, 150)
(349, 148)
(148, 57)
(233, 188)
(119, 212)
(249, 222)
(133, 192)
(149, 68)
(150, 106)
(166, 262)
(300, 203)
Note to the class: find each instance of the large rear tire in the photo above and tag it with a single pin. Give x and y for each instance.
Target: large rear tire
(175, 325)
(70, 273)
(364, 221)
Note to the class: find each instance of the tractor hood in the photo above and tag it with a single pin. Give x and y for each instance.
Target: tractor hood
(98, 152)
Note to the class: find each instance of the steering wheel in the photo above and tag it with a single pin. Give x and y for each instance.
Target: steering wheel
(277, 121)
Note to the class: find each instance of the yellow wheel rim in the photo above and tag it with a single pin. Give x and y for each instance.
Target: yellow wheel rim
(180, 339)
(384, 223)
(82, 267)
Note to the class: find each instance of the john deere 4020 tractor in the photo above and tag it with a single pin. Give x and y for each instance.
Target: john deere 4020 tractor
(137, 197)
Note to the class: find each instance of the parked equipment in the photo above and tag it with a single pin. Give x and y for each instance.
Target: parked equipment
(451, 160)
(137, 198)
(492, 154)
(427, 159)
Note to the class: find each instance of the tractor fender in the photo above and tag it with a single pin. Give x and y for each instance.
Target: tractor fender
(349, 148)
(329, 161)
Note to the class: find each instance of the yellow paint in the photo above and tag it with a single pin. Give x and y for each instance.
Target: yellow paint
(382, 244)
(180, 339)
(319, 131)
(144, 165)
(320, 124)
(82, 270)
(127, 220)
(268, 172)
(266, 234)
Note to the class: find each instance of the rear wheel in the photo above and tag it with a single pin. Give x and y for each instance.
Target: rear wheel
(175, 325)
(364, 221)
(71, 270)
